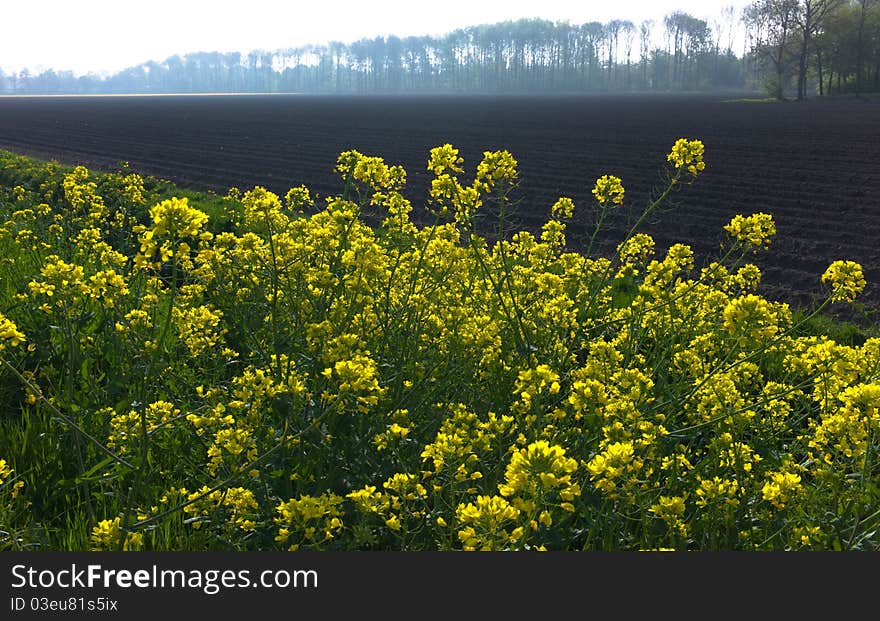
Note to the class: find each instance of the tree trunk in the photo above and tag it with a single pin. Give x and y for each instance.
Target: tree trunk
(779, 87)
(819, 67)
(860, 54)
(802, 69)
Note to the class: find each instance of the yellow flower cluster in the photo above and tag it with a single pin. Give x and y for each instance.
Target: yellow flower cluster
(445, 158)
(845, 279)
(845, 433)
(9, 333)
(537, 471)
(309, 520)
(370, 170)
(608, 188)
(133, 189)
(687, 154)
(357, 376)
(263, 211)
(563, 208)
(82, 194)
(754, 230)
(298, 198)
(107, 286)
(488, 524)
(231, 509)
(173, 222)
(617, 460)
(5, 471)
(108, 534)
(198, 327)
(463, 201)
(532, 383)
(126, 430)
(495, 166)
(637, 249)
(751, 317)
(175, 219)
(671, 510)
(781, 488)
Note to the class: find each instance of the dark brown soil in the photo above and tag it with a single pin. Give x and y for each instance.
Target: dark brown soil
(814, 165)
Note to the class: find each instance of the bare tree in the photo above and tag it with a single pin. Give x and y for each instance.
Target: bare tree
(612, 35)
(864, 7)
(645, 29)
(773, 29)
(810, 17)
(728, 26)
(629, 33)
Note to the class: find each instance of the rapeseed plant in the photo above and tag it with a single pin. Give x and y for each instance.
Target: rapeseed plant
(301, 380)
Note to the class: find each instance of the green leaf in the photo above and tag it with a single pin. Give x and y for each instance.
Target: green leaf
(89, 474)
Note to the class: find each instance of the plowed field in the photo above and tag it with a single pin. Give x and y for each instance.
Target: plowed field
(814, 165)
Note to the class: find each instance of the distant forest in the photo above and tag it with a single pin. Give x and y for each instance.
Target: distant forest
(802, 46)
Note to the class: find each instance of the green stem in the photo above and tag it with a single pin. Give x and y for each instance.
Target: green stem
(69, 421)
(599, 222)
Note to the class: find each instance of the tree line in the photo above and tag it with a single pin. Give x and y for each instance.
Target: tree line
(822, 46)
(515, 56)
(806, 47)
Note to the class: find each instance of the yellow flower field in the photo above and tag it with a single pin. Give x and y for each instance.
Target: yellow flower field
(255, 372)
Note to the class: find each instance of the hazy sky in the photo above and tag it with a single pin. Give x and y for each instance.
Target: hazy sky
(108, 35)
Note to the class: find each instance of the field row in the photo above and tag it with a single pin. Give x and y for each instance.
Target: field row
(811, 165)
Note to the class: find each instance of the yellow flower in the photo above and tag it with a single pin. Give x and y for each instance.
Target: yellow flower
(846, 279)
(750, 316)
(687, 154)
(485, 523)
(848, 428)
(496, 166)
(370, 170)
(608, 188)
(175, 219)
(309, 520)
(358, 376)
(262, 211)
(82, 194)
(5, 471)
(106, 286)
(636, 249)
(444, 158)
(755, 230)
(126, 429)
(531, 383)
(617, 459)
(781, 488)
(563, 208)
(133, 189)
(199, 328)
(539, 468)
(718, 489)
(298, 198)
(9, 333)
(108, 533)
(239, 507)
(669, 508)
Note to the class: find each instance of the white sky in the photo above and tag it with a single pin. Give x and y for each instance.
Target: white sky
(102, 36)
